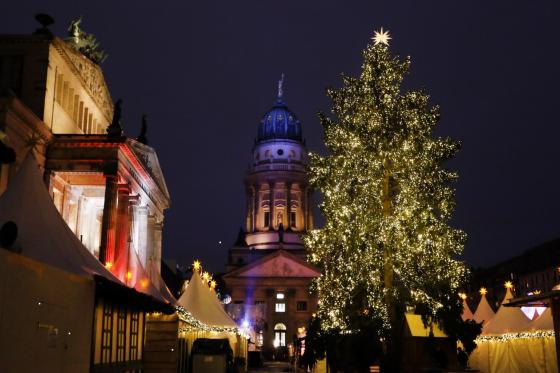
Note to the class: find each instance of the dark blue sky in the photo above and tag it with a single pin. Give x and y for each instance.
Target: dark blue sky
(205, 72)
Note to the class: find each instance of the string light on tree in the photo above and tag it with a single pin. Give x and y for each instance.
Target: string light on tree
(387, 244)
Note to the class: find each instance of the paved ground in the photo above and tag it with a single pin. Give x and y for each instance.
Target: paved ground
(272, 366)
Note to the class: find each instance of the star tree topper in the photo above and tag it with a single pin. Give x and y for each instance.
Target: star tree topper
(381, 37)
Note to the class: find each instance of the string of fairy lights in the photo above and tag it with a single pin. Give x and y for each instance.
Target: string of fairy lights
(506, 337)
(387, 199)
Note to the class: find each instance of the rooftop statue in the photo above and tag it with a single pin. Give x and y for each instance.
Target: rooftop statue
(84, 42)
(115, 128)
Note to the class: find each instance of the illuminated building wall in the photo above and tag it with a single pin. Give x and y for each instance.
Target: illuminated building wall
(61, 86)
(111, 192)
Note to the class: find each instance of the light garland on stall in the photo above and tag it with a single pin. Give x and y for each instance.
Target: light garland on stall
(512, 336)
(195, 325)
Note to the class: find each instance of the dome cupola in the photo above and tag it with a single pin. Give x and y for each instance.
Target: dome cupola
(279, 123)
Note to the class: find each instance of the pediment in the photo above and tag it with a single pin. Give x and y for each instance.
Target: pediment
(280, 264)
(149, 160)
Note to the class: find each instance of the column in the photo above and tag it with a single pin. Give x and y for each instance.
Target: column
(248, 209)
(122, 227)
(158, 234)
(106, 247)
(271, 206)
(289, 205)
(150, 246)
(309, 208)
(142, 236)
(255, 207)
(305, 206)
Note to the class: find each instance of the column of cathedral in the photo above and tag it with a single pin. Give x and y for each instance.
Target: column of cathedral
(271, 208)
(289, 205)
(256, 208)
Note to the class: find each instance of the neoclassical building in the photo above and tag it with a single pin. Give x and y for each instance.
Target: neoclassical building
(267, 275)
(107, 189)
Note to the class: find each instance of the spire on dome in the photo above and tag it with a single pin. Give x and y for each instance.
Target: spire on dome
(280, 96)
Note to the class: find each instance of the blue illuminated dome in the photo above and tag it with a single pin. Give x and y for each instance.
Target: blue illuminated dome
(279, 123)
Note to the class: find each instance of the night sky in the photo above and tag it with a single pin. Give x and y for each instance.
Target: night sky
(205, 72)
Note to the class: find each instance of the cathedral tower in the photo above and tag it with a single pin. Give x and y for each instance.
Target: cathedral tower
(278, 196)
(268, 276)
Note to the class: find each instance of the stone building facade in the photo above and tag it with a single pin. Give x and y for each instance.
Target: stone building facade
(108, 188)
(268, 276)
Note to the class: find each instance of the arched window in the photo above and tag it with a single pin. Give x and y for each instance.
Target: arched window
(279, 335)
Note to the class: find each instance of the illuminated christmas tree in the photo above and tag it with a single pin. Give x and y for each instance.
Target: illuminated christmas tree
(387, 246)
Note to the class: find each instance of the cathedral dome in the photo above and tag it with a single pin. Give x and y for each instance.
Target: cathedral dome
(279, 123)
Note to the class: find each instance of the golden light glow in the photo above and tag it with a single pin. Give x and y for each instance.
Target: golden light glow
(196, 265)
(108, 265)
(463, 296)
(205, 276)
(212, 284)
(508, 285)
(128, 275)
(144, 283)
(537, 292)
(483, 291)
(381, 37)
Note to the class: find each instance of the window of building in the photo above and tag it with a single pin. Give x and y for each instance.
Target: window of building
(293, 219)
(121, 333)
(259, 302)
(106, 332)
(301, 305)
(237, 302)
(279, 335)
(260, 339)
(279, 295)
(280, 307)
(134, 328)
(266, 218)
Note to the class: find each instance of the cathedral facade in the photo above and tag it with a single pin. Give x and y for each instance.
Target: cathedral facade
(268, 276)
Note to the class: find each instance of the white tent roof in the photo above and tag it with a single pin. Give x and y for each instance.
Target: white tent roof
(203, 304)
(483, 312)
(42, 233)
(467, 313)
(507, 319)
(543, 322)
